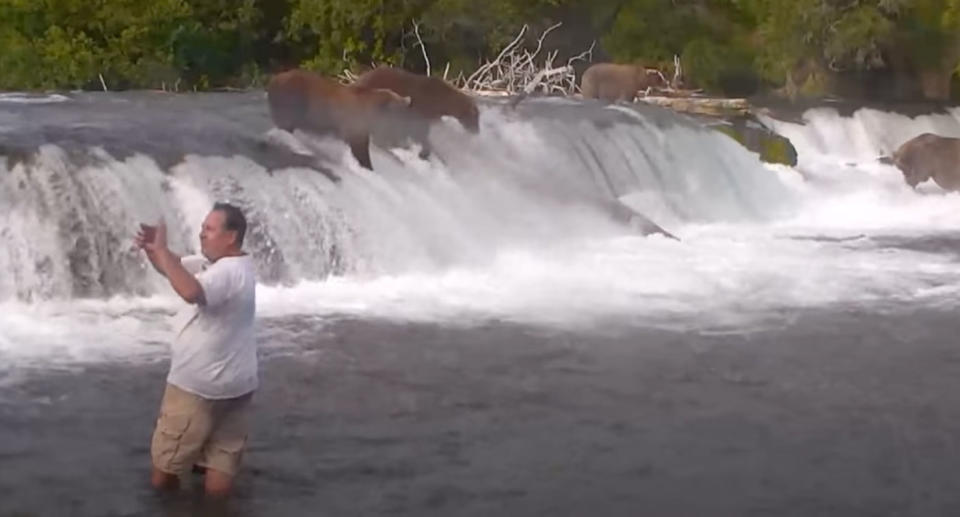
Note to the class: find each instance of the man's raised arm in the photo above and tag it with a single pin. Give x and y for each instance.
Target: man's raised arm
(169, 265)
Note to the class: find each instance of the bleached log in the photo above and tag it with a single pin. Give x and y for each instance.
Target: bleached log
(531, 86)
(701, 105)
(677, 72)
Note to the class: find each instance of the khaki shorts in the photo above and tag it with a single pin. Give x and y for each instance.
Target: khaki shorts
(192, 430)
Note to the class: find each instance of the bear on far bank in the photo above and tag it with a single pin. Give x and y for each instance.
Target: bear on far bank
(613, 82)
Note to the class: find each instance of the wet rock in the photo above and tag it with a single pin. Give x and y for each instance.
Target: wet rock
(771, 147)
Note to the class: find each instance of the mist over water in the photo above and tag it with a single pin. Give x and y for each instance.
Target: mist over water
(514, 225)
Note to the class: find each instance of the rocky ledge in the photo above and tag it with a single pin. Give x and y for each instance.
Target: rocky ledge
(736, 119)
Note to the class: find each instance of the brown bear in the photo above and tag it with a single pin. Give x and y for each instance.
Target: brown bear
(930, 156)
(612, 82)
(303, 100)
(430, 99)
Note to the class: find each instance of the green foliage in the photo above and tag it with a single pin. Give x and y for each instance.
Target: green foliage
(727, 46)
(215, 44)
(712, 38)
(651, 32)
(70, 43)
(906, 36)
(339, 34)
(464, 31)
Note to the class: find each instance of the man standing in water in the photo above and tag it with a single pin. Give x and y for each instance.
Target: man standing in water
(213, 370)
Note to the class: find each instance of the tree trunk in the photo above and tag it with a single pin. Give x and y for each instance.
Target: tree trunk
(904, 79)
(935, 79)
(935, 82)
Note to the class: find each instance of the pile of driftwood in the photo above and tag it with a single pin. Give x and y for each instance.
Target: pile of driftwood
(521, 69)
(517, 69)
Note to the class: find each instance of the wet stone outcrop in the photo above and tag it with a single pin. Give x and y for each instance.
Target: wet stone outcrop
(771, 147)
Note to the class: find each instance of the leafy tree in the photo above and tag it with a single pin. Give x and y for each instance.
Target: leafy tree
(349, 33)
(918, 38)
(344, 33)
(712, 38)
(215, 43)
(70, 43)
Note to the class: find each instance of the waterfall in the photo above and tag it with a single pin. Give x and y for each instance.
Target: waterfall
(79, 173)
(524, 222)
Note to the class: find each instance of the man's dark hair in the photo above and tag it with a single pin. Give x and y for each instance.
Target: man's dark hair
(234, 220)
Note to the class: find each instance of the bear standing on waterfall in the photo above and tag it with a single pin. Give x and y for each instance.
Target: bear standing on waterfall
(302, 100)
(430, 99)
(930, 156)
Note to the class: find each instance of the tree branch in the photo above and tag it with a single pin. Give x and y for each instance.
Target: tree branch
(516, 70)
(423, 48)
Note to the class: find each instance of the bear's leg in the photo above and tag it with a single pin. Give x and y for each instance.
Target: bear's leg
(287, 111)
(360, 146)
(420, 134)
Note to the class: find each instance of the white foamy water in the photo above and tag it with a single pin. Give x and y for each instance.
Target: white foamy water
(26, 98)
(510, 227)
(847, 188)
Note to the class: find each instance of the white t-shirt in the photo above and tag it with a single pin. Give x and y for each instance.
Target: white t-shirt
(215, 353)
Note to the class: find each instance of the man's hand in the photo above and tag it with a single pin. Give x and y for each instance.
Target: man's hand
(153, 240)
(158, 251)
(158, 243)
(168, 264)
(145, 235)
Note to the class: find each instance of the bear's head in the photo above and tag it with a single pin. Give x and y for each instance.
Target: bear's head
(463, 108)
(912, 165)
(917, 158)
(387, 100)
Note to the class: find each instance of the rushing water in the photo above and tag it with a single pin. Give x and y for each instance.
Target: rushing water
(516, 224)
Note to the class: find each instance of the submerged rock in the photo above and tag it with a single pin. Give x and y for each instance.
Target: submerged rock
(771, 147)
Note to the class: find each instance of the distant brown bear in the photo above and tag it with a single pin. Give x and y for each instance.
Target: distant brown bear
(930, 156)
(612, 82)
(303, 100)
(430, 99)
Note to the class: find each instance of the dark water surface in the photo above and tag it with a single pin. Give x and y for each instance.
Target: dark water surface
(847, 413)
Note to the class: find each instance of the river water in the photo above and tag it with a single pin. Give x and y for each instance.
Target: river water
(483, 332)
